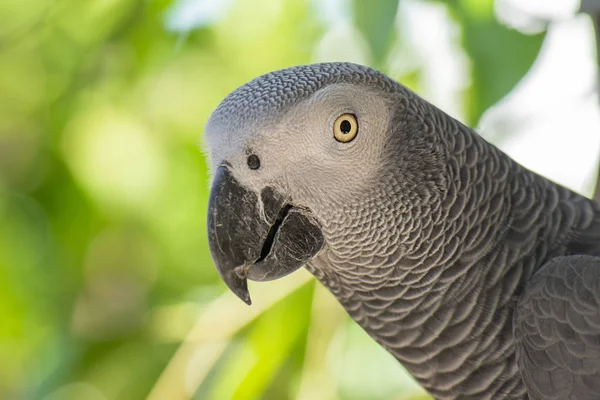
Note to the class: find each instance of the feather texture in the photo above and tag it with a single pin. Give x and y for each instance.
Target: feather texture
(557, 330)
(431, 235)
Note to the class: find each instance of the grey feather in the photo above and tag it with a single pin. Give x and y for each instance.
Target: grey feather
(433, 234)
(557, 325)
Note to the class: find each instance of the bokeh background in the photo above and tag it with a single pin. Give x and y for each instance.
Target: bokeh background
(107, 288)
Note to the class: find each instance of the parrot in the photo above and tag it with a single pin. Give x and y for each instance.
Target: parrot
(480, 276)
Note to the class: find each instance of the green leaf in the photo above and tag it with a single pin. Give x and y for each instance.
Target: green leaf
(375, 20)
(500, 56)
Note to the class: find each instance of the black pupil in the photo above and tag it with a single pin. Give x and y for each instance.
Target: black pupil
(345, 126)
(253, 161)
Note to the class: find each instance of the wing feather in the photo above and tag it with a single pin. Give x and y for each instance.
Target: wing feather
(557, 330)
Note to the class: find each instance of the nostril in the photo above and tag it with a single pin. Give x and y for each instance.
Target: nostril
(253, 161)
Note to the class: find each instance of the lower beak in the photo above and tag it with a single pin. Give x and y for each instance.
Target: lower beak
(260, 237)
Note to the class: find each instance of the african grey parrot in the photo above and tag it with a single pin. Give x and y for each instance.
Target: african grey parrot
(481, 277)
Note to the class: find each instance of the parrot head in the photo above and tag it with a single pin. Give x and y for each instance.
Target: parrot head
(298, 158)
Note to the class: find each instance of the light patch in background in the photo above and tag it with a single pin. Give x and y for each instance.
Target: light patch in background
(534, 15)
(332, 12)
(343, 42)
(351, 356)
(189, 85)
(185, 15)
(202, 360)
(550, 122)
(171, 323)
(114, 156)
(432, 46)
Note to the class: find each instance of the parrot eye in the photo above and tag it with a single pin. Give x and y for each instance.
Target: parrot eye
(345, 128)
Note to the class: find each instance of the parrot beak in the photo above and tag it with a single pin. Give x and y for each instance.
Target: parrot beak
(260, 237)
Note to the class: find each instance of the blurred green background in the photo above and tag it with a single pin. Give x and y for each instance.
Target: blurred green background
(107, 288)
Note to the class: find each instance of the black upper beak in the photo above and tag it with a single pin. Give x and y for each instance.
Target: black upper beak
(257, 237)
